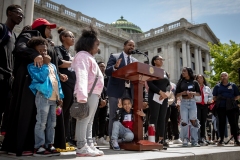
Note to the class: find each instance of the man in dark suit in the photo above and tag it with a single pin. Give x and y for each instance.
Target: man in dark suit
(118, 88)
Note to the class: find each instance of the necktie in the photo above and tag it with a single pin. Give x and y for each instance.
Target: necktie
(128, 62)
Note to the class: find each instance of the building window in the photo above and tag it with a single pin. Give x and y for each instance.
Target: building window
(203, 59)
(192, 55)
(181, 50)
(181, 62)
(204, 69)
(146, 52)
(193, 66)
(159, 50)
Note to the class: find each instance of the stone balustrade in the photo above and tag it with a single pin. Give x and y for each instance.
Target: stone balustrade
(61, 9)
(165, 28)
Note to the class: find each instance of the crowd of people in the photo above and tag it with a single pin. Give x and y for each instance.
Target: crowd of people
(39, 82)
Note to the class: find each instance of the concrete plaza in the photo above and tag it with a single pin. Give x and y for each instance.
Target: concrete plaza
(175, 152)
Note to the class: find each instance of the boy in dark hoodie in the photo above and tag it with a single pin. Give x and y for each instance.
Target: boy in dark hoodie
(123, 125)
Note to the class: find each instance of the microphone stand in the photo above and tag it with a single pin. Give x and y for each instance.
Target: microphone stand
(147, 57)
(138, 52)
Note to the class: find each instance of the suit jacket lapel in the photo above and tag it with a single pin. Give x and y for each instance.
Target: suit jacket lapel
(123, 60)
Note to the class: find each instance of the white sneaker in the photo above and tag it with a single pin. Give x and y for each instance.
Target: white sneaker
(86, 151)
(102, 141)
(100, 153)
(203, 142)
(211, 142)
(107, 138)
(225, 139)
(177, 141)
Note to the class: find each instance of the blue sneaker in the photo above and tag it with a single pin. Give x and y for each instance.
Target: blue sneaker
(114, 145)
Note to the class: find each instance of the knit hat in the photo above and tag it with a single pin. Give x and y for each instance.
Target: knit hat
(41, 21)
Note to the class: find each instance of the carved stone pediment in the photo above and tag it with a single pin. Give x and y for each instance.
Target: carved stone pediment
(204, 31)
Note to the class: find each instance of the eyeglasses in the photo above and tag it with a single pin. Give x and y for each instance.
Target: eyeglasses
(160, 59)
(18, 13)
(69, 36)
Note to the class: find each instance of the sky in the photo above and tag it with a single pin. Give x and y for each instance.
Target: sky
(222, 16)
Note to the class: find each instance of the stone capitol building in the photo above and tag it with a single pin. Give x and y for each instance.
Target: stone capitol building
(180, 43)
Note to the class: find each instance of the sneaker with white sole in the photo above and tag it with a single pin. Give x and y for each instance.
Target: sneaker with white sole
(41, 152)
(86, 151)
(195, 145)
(114, 145)
(177, 141)
(102, 141)
(203, 142)
(100, 153)
(53, 150)
(185, 143)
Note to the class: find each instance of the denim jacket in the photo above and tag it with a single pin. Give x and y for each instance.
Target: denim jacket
(41, 81)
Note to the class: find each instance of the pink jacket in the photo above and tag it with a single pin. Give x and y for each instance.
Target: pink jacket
(85, 67)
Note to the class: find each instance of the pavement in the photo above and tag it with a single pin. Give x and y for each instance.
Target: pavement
(174, 152)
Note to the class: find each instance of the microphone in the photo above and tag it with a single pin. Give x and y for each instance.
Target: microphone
(138, 52)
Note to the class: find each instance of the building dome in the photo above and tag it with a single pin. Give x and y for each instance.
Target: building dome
(126, 26)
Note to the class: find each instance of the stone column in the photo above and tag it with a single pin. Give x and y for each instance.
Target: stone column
(207, 61)
(172, 65)
(196, 60)
(184, 53)
(29, 12)
(18, 2)
(165, 56)
(106, 53)
(188, 55)
(178, 61)
(200, 61)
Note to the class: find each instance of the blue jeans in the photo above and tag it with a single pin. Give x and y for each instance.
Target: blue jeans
(188, 111)
(46, 119)
(119, 131)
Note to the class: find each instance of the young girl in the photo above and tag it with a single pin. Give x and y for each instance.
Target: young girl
(47, 88)
(187, 88)
(86, 69)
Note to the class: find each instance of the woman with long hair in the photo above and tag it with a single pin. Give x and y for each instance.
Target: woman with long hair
(187, 88)
(202, 107)
(86, 69)
(158, 111)
(67, 39)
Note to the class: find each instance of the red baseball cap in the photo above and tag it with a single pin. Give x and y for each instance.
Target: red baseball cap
(41, 21)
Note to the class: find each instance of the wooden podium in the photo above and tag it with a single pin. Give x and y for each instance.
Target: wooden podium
(138, 73)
